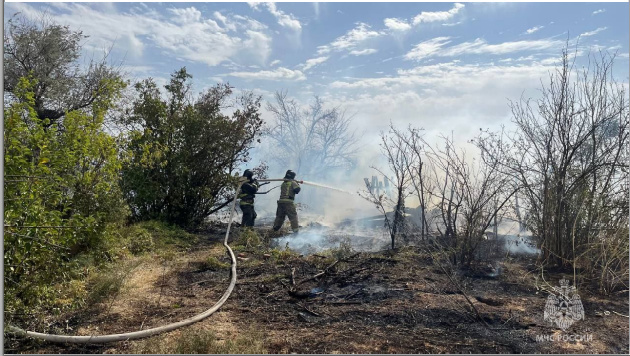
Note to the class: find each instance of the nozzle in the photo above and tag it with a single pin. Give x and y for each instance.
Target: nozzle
(300, 181)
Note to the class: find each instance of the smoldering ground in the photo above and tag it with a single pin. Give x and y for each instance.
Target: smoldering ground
(333, 214)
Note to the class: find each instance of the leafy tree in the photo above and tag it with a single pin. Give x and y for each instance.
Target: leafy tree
(61, 190)
(50, 52)
(184, 151)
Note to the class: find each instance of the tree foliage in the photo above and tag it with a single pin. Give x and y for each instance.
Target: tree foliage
(50, 53)
(182, 155)
(61, 189)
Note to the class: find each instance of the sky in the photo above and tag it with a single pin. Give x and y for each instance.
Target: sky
(447, 67)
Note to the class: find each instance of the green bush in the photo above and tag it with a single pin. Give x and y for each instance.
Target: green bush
(140, 240)
(61, 192)
(165, 235)
(342, 252)
(179, 162)
(103, 285)
(249, 238)
(282, 255)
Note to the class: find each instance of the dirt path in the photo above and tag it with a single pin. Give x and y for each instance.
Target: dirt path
(392, 302)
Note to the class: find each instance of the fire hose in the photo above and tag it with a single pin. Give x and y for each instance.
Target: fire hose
(158, 330)
(95, 339)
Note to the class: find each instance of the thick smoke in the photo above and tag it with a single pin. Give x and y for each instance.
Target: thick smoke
(329, 205)
(331, 211)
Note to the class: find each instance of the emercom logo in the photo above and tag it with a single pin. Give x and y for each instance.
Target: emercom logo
(565, 307)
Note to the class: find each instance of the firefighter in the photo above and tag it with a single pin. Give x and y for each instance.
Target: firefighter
(246, 196)
(286, 206)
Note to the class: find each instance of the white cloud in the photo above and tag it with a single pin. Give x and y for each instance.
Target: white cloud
(396, 24)
(184, 33)
(599, 11)
(254, 5)
(480, 46)
(284, 20)
(447, 77)
(225, 21)
(137, 71)
(350, 40)
(186, 16)
(314, 61)
(249, 23)
(551, 61)
(435, 47)
(519, 59)
(277, 74)
(275, 62)
(594, 32)
(439, 98)
(363, 52)
(257, 44)
(533, 29)
(452, 24)
(437, 15)
(427, 48)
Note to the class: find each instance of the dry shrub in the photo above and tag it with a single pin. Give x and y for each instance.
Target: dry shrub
(606, 261)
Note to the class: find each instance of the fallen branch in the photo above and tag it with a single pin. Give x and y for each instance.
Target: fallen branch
(319, 274)
(353, 294)
(200, 282)
(308, 310)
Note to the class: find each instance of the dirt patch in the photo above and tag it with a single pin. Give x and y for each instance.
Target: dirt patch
(392, 302)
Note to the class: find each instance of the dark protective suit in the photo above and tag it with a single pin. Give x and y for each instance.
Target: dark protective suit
(246, 196)
(286, 206)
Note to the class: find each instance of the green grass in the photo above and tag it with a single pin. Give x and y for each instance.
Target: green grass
(96, 274)
(339, 253)
(212, 263)
(281, 255)
(107, 281)
(249, 238)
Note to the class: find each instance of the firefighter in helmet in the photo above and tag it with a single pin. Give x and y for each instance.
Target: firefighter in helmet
(246, 196)
(286, 205)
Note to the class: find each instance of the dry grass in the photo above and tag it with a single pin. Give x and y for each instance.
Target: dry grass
(222, 337)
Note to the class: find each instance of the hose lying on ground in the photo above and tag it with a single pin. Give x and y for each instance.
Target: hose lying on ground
(95, 339)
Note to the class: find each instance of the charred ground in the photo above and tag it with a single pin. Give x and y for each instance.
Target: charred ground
(397, 301)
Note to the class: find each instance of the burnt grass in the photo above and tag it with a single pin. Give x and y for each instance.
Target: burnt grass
(397, 301)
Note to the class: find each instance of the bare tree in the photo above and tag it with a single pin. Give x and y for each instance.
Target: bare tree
(399, 157)
(568, 155)
(314, 140)
(472, 195)
(418, 170)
